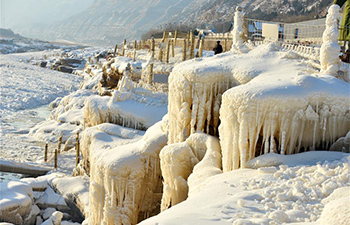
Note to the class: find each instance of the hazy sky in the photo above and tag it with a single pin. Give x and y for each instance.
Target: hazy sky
(19, 13)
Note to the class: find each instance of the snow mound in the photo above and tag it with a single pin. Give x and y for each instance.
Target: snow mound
(125, 183)
(177, 163)
(336, 210)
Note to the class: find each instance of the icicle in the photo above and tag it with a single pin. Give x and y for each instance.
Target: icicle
(283, 142)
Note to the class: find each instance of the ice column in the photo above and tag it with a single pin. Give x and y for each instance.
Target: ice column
(330, 47)
(238, 44)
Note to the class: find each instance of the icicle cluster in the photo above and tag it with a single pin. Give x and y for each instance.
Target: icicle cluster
(253, 125)
(330, 48)
(125, 183)
(194, 99)
(177, 163)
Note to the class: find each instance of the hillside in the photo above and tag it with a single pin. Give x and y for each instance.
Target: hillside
(107, 22)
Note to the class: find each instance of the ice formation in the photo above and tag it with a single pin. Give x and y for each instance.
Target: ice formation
(238, 42)
(139, 109)
(308, 112)
(177, 163)
(194, 98)
(125, 183)
(330, 47)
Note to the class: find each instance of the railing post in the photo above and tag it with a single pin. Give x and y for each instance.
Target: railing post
(201, 48)
(124, 43)
(134, 55)
(167, 51)
(184, 50)
(160, 55)
(77, 148)
(150, 78)
(59, 144)
(115, 50)
(164, 36)
(152, 48)
(192, 45)
(173, 48)
(55, 158)
(175, 37)
(46, 148)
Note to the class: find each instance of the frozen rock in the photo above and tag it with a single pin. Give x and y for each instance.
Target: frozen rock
(15, 202)
(48, 212)
(259, 119)
(125, 181)
(55, 219)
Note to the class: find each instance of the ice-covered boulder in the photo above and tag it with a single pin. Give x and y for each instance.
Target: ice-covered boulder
(16, 203)
(200, 154)
(125, 181)
(105, 137)
(139, 109)
(284, 113)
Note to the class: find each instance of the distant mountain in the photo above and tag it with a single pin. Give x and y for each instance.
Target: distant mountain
(107, 22)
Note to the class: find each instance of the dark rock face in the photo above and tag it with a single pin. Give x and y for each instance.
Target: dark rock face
(42, 64)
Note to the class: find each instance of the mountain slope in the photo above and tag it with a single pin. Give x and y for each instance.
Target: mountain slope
(107, 22)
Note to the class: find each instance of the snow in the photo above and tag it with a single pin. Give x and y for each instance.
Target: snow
(295, 194)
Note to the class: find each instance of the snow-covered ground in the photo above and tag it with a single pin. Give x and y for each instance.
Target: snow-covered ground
(26, 91)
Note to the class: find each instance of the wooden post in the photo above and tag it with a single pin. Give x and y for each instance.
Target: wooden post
(175, 36)
(192, 45)
(124, 43)
(59, 144)
(164, 36)
(173, 48)
(200, 48)
(150, 78)
(184, 51)
(77, 148)
(139, 46)
(115, 50)
(143, 44)
(225, 45)
(46, 148)
(188, 38)
(55, 158)
(167, 51)
(160, 56)
(134, 55)
(152, 47)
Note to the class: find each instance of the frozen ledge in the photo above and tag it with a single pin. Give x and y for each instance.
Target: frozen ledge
(282, 114)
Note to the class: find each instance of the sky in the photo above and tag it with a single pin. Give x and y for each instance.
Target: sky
(20, 13)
